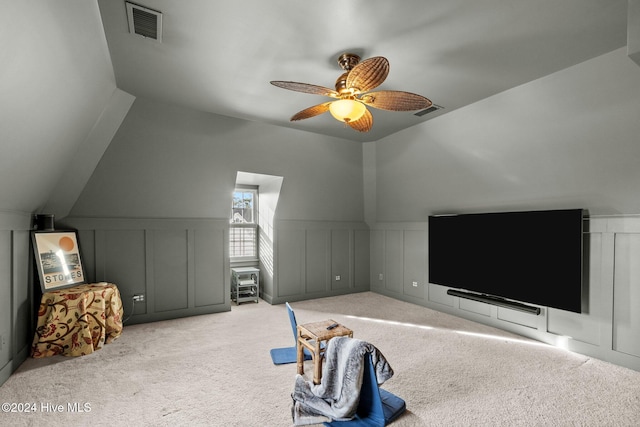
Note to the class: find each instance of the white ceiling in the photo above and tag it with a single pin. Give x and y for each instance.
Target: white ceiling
(219, 57)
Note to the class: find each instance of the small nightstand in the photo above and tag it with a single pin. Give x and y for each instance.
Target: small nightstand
(245, 284)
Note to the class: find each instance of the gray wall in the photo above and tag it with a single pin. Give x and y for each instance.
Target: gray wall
(180, 266)
(569, 140)
(59, 105)
(16, 314)
(608, 328)
(59, 108)
(317, 259)
(166, 161)
(165, 184)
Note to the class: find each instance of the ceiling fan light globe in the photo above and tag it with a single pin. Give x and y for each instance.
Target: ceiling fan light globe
(347, 110)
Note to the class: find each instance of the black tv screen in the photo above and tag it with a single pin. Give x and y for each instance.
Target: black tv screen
(532, 257)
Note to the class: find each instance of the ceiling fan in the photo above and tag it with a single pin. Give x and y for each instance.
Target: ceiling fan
(352, 94)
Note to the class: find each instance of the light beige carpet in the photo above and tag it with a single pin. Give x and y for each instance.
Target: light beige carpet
(215, 370)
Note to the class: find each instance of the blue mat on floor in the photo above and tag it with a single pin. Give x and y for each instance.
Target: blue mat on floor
(377, 407)
(281, 356)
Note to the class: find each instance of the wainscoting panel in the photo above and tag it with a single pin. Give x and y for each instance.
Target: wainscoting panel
(626, 294)
(290, 263)
(22, 290)
(415, 263)
(438, 294)
(517, 317)
(394, 261)
(586, 326)
(341, 250)
(16, 291)
(317, 261)
(122, 254)
(376, 268)
(180, 266)
(209, 254)
(266, 265)
(170, 270)
(608, 327)
(361, 259)
(5, 297)
(399, 260)
(310, 254)
(87, 245)
(474, 307)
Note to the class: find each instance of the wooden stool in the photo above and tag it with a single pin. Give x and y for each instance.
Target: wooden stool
(311, 336)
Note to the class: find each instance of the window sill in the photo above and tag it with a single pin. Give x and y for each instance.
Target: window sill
(234, 262)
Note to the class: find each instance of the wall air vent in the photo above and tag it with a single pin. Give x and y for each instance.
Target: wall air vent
(431, 109)
(144, 22)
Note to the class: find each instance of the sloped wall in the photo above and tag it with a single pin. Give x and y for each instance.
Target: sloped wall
(567, 140)
(168, 161)
(57, 85)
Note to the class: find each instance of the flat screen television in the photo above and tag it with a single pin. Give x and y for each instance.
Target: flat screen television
(530, 257)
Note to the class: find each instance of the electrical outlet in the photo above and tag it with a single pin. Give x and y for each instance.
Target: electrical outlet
(337, 277)
(415, 284)
(380, 276)
(138, 297)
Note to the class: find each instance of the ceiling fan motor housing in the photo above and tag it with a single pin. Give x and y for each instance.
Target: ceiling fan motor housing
(341, 85)
(348, 60)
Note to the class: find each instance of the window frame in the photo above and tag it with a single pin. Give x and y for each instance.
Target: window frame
(244, 225)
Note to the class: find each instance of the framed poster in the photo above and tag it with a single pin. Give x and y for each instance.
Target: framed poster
(58, 258)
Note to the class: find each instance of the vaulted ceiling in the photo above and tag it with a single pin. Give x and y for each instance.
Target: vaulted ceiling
(219, 57)
(68, 81)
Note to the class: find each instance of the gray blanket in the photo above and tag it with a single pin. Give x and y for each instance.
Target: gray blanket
(337, 396)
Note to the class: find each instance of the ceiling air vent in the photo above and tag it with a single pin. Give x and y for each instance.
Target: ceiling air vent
(144, 22)
(431, 109)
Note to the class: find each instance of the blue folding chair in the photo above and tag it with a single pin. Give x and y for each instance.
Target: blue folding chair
(284, 355)
(377, 407)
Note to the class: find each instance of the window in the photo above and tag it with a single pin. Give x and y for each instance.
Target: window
(243, 231)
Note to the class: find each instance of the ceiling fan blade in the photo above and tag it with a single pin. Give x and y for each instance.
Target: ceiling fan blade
(306, 88)
(364, 123)
(368, 74)
(395, 100)
(307, 113)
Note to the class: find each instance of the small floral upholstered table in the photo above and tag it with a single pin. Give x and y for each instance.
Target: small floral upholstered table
(77, 321)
